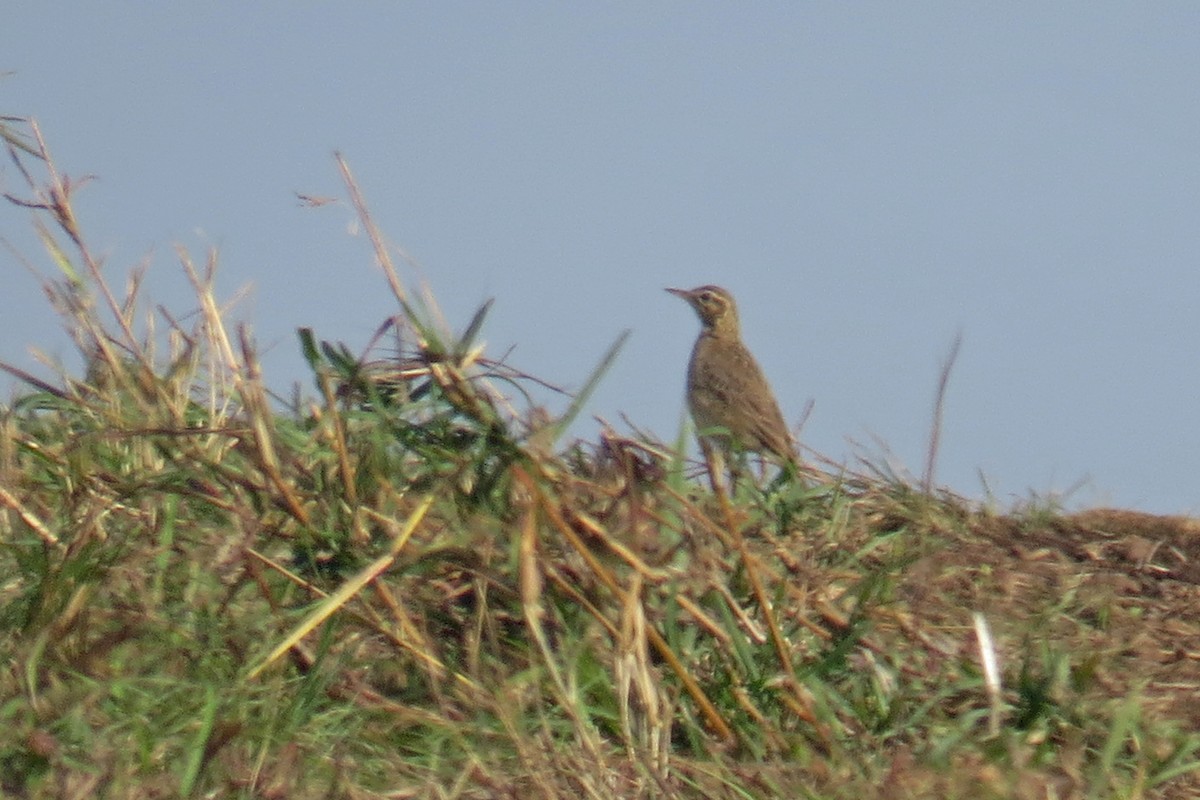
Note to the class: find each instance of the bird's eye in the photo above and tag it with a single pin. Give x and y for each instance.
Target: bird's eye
(707, 296)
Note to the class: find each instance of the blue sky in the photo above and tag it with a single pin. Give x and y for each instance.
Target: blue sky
(869, 179)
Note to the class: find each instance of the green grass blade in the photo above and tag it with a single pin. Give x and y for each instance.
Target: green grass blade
(195, 757)
(468, 337)
(576, 407)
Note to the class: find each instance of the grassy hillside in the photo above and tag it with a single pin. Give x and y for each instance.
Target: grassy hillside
(404, 584)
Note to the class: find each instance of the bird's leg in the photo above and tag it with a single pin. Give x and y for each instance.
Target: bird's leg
(737, 467)
(714, 459)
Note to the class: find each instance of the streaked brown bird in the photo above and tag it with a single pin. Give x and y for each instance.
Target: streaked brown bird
(731, 402)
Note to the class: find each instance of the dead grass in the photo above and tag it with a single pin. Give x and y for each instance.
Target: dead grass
(405, 586)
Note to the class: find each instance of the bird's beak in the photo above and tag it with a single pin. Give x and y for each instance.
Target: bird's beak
(684, 293)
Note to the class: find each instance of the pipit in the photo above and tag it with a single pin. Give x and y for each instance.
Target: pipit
(731, 402)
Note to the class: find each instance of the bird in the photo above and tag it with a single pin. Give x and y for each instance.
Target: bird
(731, 403)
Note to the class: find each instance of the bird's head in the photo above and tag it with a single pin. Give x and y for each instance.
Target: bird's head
(713, 305)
